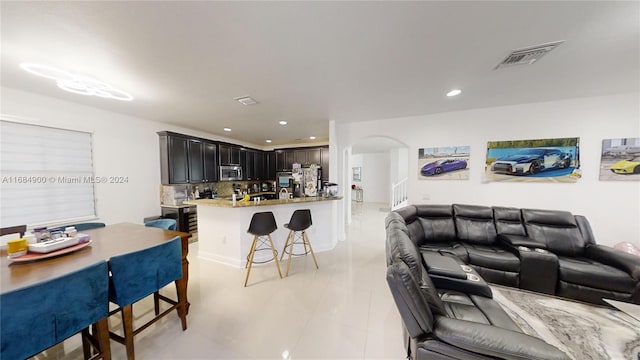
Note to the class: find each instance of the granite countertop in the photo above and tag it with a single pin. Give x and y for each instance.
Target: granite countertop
(250, 203)
(184, 205)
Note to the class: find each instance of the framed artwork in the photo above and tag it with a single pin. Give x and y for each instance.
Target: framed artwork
(357, 174)
(539, 160)
(620, 159)
(444, 163)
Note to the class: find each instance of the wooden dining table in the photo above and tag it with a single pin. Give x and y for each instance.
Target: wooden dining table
(112, 240)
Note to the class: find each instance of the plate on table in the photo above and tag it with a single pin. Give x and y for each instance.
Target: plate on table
(32, 256)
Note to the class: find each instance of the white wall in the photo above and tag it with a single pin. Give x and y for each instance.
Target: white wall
(613, 208)
(122, 145)
(375, 176)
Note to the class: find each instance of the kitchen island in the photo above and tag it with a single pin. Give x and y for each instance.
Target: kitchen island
(223, 224)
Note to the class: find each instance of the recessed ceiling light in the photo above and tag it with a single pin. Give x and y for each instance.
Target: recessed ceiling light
(312, 137)
(268, 140)
(282, 122)
(454, 92)
(227, 129)
(77, 84)
(246, 100)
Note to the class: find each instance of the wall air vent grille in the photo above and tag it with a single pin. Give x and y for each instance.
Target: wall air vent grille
(527, 56)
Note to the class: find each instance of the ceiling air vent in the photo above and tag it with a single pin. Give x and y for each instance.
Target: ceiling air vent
(528, 55)
(246, 100)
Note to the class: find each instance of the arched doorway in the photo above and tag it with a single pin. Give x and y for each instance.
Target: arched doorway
(373, 165)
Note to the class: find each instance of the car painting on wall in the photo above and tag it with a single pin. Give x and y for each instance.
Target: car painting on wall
(538, 160)
(620, 159)
(444, 163)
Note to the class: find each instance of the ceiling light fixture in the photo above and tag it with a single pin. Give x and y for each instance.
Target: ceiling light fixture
(282, 122)
(454, 92)
(312, 137)
(77, 84)
(268, 140)
(227, 129)
(246, 100)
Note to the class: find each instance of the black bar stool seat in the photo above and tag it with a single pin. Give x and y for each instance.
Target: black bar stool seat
(298, 224)
(262, 225)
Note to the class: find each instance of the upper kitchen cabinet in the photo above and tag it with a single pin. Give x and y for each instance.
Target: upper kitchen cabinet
(252, 162)
(185, 160)
(229, 154)
(270, 165)
(210, 162)
(196, 160)
(285, 158)
(307, 156)
(259, 160)
(324, 162)
(174, 163)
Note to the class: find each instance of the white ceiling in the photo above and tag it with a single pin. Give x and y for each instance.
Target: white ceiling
(311, 62)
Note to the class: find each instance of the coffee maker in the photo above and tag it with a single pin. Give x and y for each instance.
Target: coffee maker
(284, 180)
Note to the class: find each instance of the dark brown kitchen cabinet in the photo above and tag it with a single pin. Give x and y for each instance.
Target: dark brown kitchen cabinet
(281, 160)
(246, 163)
(313, 156)
(285, 158)
(324, 162)
(174, 156)
(259, 165)
(252, 162)
(186, 160)
(229, 154)
(270, 165)
(307, 156)
(289, 159)
(210, 162)
(300, 156)
(196, 161)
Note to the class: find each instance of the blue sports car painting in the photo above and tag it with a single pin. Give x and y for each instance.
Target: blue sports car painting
(440, 166)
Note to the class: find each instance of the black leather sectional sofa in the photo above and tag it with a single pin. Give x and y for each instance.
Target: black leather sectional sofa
(547, 251)
(439, 256)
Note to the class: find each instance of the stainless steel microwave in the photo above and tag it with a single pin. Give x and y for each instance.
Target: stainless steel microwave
(228, 173)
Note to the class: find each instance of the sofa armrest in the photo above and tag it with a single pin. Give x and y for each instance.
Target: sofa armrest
(519, 240)
(616, 258)
(493, 341)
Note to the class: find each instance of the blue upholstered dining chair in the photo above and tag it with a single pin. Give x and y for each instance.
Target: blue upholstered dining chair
(81, 226)
(139, 274)
(88, 226)
(167, 224)
(39, 316)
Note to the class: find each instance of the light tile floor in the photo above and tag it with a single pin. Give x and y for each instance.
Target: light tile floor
(343, 310)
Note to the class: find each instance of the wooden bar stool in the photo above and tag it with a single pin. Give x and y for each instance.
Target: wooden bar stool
(261, 226)
(139, 274)
(299, 223)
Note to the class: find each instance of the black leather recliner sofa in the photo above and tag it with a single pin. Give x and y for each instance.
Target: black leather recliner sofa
(449, 322)
(548, 251)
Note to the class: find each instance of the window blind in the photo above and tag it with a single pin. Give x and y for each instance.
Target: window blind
(46, 175)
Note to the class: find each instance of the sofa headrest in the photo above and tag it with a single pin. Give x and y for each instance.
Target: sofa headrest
(408, 213)
(557, 230)
(508, 221)
(549, 217)
(474, 224)
(473, 211)
(434, 211)
(412, 305)
(507, 214)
